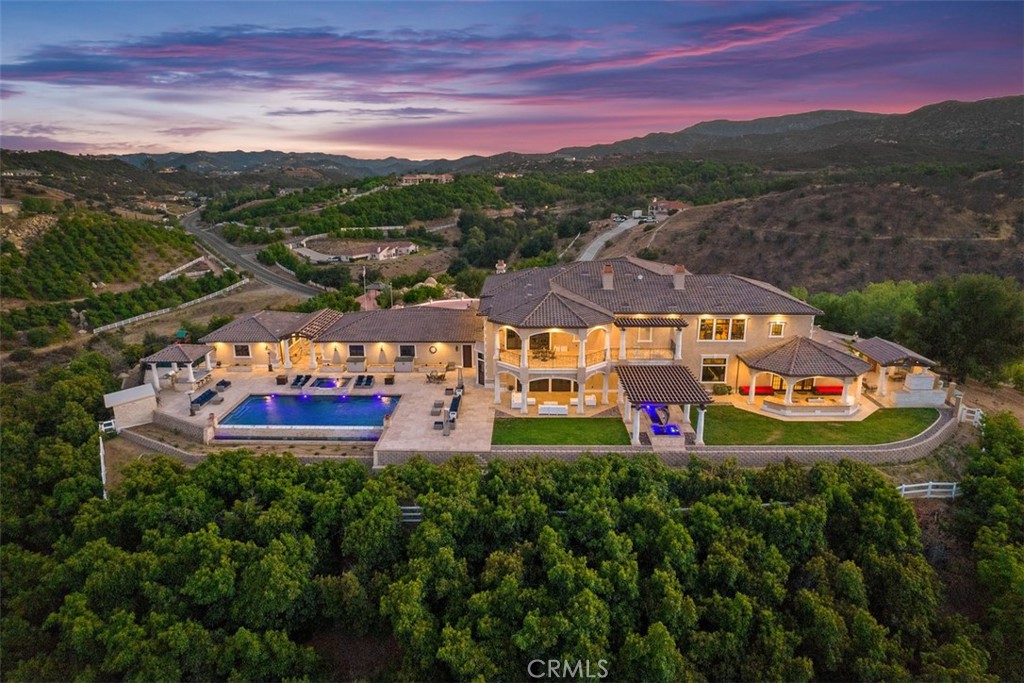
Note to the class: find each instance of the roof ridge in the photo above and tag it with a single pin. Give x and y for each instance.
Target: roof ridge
(773, 289)
(256, 318)
(576, 298)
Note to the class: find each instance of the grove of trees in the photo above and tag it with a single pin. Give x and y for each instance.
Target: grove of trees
(84, 247)
(227, 571)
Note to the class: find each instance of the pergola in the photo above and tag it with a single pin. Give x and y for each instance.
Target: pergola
(178, 356)
(886, 354)
(662, 385)
(803, 358)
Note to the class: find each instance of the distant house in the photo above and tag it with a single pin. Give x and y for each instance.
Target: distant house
(380, 251)
(9, 206)
(417, 178)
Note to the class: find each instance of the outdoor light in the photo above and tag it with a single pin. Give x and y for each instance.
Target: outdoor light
(433, 349)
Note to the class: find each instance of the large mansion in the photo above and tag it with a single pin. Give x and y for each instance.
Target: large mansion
(576, 339)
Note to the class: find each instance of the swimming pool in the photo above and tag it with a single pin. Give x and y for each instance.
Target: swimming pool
(288, 416)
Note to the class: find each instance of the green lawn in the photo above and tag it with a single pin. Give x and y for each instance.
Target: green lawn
(728, 426)
(553, 431)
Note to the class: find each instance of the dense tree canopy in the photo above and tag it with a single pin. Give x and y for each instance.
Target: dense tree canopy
(224, 571)
(84, 247)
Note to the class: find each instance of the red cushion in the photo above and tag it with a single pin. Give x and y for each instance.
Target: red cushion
(759, 390)
(828, 389)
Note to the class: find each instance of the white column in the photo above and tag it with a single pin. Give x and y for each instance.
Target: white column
(882, 380)
(582, 363)
(312, 355)
(750, 389)
(789, 390)
(622, 343)
(524, 396)
(209, 363)
(679, 344)
(686, 414)
(636, 427)
(629, 409)
(701, 410)
(497, 387)
(846, 391)
(154, 376)
(497, 344)
(523, 343)
(604, 385)
(286, 353)
(607, 348)
(191, 373)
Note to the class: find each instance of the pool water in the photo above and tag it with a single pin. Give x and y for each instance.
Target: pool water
(311, 411)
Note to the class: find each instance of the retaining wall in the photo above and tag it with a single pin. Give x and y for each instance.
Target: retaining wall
(189, 430)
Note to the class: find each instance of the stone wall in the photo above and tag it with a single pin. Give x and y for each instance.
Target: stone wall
(195, 432)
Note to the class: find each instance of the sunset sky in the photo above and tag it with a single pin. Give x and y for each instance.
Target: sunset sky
(429, 80)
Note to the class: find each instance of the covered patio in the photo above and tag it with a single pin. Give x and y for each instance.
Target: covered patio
(828, 380)
(177, 364)
(893, 363)
(646, 390)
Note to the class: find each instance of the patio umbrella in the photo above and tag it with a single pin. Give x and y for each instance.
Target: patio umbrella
(336, 359)
(460, 385)
(383, 358)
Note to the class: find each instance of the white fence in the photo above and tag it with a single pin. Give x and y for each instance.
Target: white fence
(931, 489)
(171, 273)
(153, 314)
(972, 415)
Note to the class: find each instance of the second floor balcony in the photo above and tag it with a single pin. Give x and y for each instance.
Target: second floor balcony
(559, 359)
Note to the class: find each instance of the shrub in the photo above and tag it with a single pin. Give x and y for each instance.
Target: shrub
(22, 355)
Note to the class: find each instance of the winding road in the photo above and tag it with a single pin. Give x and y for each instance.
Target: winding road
(244, 260)
(595, 247)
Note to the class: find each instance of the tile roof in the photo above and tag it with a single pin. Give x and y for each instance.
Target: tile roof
(638, 286)
(804, 357)
(264, 326)
(668, 384)
(885, 352)
(179, 353)
(411, 325)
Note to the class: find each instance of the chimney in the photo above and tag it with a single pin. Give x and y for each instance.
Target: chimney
(679, 277)
(606, 277)
(500, 267)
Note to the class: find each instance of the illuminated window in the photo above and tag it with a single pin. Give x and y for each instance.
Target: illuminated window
(356, 350)
(242, 351)
(776, 329)
(722, 329)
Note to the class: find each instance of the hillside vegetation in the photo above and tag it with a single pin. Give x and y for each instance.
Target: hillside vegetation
(843, 230)
(86, 247)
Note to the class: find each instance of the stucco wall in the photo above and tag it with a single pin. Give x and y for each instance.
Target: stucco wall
(135, 413)
(693, 349)
(446, 353)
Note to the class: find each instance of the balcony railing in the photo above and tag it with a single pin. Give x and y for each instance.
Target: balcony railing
(644, 354)
(546, 358)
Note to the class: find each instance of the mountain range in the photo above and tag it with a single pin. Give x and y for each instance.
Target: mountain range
(954, 130)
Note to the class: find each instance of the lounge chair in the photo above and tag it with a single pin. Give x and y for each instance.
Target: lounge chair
(204, 398)
(360, 380)
(370, 379)
(295, 382)
(453, 409)
(222, 385)
(305, 380)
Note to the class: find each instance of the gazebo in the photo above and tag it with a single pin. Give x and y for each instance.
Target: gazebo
(178, 356)
(801, 358)
(887, 354)
(661, 385)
